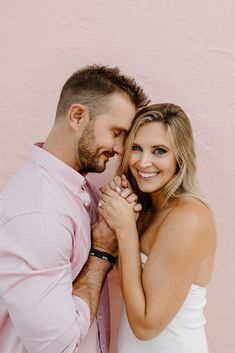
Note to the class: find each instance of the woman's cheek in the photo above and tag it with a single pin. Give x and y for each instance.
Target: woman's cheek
(133, 160)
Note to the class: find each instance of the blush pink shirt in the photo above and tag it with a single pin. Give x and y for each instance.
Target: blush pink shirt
(46, 212)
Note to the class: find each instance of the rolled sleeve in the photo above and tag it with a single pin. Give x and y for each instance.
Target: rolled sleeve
(36, 285)
(83, 315)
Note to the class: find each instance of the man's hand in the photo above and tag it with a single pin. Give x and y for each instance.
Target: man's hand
(103, 237)
(89, 282)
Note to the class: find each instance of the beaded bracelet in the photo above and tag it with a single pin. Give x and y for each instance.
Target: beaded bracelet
(103, 255)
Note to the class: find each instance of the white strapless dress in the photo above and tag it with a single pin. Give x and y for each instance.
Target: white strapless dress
(184, 334)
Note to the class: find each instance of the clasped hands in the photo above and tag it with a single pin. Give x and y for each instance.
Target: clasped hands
(121, 186)
(118, 204)
(118, 210)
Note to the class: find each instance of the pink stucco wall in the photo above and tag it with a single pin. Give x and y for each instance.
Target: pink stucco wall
(180, 51)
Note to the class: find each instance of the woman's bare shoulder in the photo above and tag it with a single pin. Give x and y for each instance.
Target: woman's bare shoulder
(192, 215)
(192, 207)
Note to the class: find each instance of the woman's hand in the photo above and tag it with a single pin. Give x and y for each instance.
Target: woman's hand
(118, 213)
(121, 185)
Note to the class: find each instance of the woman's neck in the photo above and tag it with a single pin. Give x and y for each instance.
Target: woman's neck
(159, 202)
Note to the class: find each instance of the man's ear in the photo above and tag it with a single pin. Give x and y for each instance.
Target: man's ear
(78, 116)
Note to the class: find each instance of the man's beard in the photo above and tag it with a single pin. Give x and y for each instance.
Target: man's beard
(88, 152)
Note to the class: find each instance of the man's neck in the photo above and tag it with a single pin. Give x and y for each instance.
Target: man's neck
(61, 146)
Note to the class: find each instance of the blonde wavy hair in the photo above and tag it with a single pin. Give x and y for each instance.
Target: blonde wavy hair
(184, 182)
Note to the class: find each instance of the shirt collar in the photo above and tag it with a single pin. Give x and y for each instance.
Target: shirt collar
(60, 170)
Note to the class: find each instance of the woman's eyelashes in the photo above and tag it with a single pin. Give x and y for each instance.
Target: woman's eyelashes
(157, 151)
(136, 148)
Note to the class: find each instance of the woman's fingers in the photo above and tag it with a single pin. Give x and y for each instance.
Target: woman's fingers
(124, 182)
(106, 189)
(112, 185)
(117, 180)
(137, 207)
(125, 193)
(105, 198)
(132, 198)
(114, 188)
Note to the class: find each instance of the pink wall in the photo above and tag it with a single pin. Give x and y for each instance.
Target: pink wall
(180, 51)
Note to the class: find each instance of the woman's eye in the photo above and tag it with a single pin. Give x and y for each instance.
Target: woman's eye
(136, 148)
(159, 151)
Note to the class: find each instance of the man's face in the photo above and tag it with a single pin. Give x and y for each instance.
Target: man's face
(104, 135)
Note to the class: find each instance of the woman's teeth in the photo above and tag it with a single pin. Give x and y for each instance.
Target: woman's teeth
(147, 175)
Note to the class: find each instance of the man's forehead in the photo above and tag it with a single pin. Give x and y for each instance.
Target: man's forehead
(121, 128)
(123, 124)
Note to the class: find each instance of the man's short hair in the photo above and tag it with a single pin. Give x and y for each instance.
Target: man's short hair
(91, 85)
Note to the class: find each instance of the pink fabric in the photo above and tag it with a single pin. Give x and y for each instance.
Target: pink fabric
(46, 211)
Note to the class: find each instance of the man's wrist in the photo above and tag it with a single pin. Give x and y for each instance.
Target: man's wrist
(89, 282)
(104, 255)
(103, 247)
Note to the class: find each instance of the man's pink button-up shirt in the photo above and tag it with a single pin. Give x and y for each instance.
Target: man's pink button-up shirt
(46, 212)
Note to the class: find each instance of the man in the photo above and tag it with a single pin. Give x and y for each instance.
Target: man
(49, 287)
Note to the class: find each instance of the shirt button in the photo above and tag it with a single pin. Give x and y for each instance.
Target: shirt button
(86, 204)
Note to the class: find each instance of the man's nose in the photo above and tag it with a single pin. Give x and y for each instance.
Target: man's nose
(118, 148)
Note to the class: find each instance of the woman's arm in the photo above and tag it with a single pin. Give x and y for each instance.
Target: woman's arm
(153, 297)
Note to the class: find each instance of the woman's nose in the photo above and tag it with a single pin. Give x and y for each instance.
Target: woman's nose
(145, 161)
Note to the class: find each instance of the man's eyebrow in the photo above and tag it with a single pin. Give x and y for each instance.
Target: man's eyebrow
(122, 129)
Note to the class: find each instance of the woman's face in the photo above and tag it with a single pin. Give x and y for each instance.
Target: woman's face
(152, 160)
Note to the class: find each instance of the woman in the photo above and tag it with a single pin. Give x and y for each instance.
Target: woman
(166, 259)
